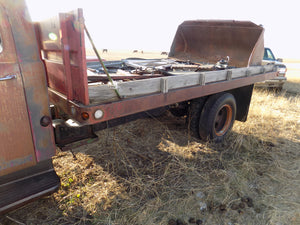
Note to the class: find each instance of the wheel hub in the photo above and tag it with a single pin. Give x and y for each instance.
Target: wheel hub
(223, 120)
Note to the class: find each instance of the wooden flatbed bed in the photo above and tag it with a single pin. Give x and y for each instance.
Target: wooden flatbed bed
(100, 93)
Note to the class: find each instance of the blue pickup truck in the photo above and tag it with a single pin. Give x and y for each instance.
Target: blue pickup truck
(277, 83)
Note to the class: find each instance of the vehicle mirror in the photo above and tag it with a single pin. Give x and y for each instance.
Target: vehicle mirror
(279, 60)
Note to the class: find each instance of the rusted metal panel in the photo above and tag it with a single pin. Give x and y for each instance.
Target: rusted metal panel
(16, 148)
(38, 107)
(209, 41)
(75, 34)
(56, 76)
(66, 49)
(32, 75)
(134, 105)
(62, 43)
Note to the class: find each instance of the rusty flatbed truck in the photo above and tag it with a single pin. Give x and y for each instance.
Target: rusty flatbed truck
(209, 75)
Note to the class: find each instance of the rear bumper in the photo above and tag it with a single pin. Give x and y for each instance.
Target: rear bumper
(18, 188)
(276, 82)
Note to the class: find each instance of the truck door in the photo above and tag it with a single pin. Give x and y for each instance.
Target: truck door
(16, 142)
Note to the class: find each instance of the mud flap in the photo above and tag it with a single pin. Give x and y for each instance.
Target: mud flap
(26, 185)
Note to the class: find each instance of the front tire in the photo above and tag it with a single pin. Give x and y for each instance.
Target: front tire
(217, 117)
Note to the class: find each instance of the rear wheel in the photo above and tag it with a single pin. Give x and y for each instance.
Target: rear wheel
(217, 117)
(194, 114)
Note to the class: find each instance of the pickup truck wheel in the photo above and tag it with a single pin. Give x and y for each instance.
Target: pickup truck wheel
(217, 117)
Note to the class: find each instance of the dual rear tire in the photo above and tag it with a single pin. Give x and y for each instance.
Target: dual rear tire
(211, 118)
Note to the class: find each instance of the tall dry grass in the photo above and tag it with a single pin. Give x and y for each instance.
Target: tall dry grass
(293, 81)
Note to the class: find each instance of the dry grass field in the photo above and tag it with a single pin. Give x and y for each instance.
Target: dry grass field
(293, 75)
(151, 171)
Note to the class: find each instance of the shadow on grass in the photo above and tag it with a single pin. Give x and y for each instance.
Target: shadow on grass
(154, 166)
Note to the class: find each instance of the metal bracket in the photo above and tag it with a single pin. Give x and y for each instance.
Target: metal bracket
(229, 75)
(164, 85)
(248, 73)
(202, 79)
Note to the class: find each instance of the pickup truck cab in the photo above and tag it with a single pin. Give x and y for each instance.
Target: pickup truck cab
(278, 82)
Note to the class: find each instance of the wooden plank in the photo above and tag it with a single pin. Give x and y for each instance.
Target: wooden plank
(255, 70)
(184, 80)
(240, 72)
(101, 93)
(215, 76)
(139, 87)
(250, 71)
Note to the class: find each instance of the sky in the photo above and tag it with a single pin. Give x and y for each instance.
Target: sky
(151, 25)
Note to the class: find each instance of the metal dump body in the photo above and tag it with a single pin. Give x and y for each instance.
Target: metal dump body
(208, 41)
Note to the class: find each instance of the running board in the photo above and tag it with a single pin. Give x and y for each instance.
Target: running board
(17, 189)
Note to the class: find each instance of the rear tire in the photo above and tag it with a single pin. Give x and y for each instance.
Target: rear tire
(217, 117)
(194, 114)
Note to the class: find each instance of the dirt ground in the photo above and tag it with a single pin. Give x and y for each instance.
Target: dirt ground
(152, 171)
